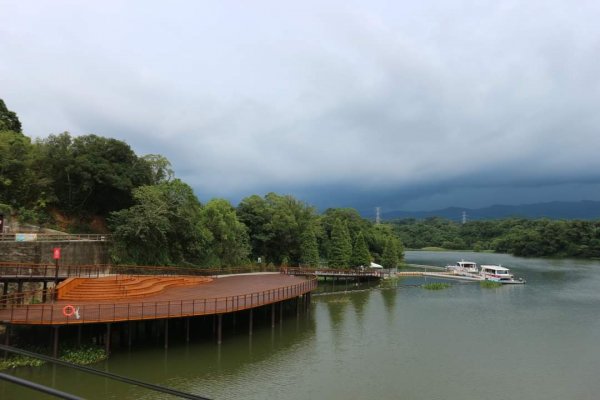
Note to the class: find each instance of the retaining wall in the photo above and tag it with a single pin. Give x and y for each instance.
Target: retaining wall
(74, 252)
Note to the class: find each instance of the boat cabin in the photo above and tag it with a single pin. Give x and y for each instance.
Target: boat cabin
(496, 272)
(463, 266)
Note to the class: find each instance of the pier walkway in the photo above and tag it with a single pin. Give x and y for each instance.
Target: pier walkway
(219, 296)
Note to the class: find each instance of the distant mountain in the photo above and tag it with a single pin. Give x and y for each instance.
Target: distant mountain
(553, 210)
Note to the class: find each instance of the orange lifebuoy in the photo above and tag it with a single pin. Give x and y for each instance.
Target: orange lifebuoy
(68, 310)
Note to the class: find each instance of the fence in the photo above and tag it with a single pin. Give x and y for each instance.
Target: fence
(52, 237)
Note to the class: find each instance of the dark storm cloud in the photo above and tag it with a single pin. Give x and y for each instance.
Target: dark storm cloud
(352, 103)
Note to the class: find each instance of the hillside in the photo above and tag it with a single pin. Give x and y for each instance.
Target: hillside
(586, 210)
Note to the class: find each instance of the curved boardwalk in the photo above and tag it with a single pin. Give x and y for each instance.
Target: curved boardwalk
(222, 295)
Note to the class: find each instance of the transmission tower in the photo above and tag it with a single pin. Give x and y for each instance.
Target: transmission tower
(464, 217)
(377, 215)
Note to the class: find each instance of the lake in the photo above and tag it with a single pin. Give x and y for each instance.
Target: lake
(393, 341)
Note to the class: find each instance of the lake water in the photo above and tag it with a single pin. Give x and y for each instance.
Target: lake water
(535, 341)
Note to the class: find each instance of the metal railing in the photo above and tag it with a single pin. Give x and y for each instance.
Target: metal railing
(81, 312)
(24, 270)
(53, 237)
(332, 272)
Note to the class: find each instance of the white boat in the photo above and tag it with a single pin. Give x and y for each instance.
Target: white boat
(497, 273)
(463, 267)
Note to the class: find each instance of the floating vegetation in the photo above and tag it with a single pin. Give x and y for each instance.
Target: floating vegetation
(489, 284)
(19, 361)
(83, 355)
(436, 286)
(341, 300)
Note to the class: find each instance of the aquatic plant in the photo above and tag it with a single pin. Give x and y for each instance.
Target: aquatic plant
(436, 286)
(82, 355)
(489, 284)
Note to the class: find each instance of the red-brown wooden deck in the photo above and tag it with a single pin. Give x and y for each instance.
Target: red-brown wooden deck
(222, 295)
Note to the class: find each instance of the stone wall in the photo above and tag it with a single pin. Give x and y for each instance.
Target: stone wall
(74, 252)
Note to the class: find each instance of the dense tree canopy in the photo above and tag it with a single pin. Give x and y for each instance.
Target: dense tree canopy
(163, 227)
(8, 119)
(518, 236)
(86, 171)
(229, 243)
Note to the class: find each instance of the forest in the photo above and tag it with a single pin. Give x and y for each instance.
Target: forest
(90, 183)
(517, 236)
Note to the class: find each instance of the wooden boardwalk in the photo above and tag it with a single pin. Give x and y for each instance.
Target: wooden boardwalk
(335, 273)
(222, 295)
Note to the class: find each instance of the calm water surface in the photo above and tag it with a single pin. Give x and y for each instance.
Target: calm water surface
(534, 341)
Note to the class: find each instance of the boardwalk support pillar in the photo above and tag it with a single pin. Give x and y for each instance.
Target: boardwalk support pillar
(107, 340)
(55, 345)
(219, 328)
(166, 333)
(273, 315)
(129, 333)
(250, 322)
(187, 330)
(6, 336)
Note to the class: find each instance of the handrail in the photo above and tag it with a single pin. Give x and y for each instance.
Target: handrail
(17, 269)
(54, 237)
(329, 271)
(53, 314)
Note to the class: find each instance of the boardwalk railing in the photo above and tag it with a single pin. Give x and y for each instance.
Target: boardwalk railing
(24, 270)
(333, 272)
(82, 313)
(53, 237)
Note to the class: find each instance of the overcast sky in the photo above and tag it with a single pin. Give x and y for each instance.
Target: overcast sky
(399, 104)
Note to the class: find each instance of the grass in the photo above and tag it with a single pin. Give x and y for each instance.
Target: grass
(489, 284)
(436, 286)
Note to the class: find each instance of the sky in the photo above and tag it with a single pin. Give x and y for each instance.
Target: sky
(399, 104)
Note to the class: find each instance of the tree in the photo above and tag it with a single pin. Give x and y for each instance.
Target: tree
(163, 227)
(92, 174)
(8, 119)
(276, 225)
(160, 168)
(390, 258)
(16, 177)
(229, 237)
(360, 252)
(340, 250)
(309, 250)
(255, 213)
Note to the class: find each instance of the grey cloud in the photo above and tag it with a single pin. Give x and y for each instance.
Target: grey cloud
(379, 103)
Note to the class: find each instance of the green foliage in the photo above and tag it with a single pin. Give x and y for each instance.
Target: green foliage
(489, 284)
(160, 168)
(91, 174)
(521, 237)
(390, 257)
(436, 286)
(17, 181)
(277, 226)
(340, 250)
(162, 228)
(360, 252)
(19, 361)
(229, 242)
(8, 119)
(309, 248)
(82, 355)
